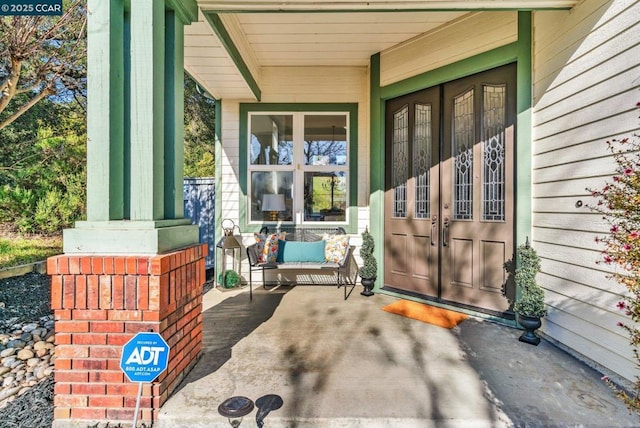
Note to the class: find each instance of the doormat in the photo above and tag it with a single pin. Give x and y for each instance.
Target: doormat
(426, 313)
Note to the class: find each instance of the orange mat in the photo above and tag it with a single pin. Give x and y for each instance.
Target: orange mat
(425, 313)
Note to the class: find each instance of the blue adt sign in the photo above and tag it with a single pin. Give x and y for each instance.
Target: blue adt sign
(144, 357)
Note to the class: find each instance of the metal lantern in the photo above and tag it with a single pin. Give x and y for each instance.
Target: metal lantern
(229, 243)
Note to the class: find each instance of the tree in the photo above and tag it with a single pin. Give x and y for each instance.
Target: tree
(41, 56)
(199, 131)
(42, 168)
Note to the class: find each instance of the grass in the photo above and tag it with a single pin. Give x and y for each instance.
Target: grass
(20, 250)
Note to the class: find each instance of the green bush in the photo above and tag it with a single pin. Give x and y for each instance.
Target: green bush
(43, 188)
(57, 210)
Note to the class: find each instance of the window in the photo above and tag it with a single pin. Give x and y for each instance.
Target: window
(298, 166)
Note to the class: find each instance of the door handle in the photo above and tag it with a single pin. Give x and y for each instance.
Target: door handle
(434, 226)
(445, 232)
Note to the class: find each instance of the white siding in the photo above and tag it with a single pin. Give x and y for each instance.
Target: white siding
(469, 35)
(230, 186)
(585, 90)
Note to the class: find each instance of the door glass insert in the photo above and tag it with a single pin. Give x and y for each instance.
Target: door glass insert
(463, 126)
(399, 161)
(422, 159)
(493, 124)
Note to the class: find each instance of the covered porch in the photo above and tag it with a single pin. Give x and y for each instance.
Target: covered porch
(336, 363)
(324, 72)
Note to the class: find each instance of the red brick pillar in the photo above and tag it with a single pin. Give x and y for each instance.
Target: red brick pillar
(99, 303)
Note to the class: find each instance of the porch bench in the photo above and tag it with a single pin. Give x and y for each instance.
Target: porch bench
(304, 239)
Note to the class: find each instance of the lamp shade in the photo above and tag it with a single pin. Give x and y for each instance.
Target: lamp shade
(273, 203)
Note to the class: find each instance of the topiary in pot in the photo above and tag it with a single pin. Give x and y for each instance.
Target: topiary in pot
(369, 269)
(530, 307)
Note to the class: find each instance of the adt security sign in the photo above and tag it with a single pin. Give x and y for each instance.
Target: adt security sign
(144, 357)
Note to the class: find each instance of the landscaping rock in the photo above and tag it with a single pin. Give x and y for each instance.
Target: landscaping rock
(26, 352)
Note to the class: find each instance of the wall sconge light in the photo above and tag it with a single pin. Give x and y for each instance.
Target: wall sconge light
(273, 204)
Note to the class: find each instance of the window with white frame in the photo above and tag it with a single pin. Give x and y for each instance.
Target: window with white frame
(298, 164)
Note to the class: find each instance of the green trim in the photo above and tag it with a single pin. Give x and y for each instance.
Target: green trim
(218, 182)
(466, 67)
(186, 10)
(226, 40)
(376, 167)
(126, 157)
(520, 52)
(351, 108)
(523, 162)
(174, 117)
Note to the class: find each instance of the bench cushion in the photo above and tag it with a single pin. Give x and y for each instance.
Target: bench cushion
(297, 251)
(302, 266)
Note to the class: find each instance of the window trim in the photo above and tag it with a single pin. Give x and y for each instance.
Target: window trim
(308, 108)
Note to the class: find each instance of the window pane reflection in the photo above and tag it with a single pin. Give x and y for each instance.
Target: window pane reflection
(325, 139)
(271, 140)
(271, 196)
(325, 196)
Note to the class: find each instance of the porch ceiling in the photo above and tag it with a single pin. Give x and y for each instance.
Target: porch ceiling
(232, 41)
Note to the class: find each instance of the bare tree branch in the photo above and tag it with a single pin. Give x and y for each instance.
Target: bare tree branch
(41, 56)
(45, 92)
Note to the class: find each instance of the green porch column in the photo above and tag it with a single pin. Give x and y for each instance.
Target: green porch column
(147, 110)
(174, 119)
(524, 200)
(135, 129)
(105, 121)
(135, 264)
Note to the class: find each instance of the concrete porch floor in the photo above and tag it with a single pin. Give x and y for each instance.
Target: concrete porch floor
(337, 363)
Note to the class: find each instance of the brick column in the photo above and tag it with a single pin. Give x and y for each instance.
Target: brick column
(99, 303)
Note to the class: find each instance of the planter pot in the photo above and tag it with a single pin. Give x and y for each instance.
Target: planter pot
(530, 324)
(368, 283)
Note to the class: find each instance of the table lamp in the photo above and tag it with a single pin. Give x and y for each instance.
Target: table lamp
(273, 204)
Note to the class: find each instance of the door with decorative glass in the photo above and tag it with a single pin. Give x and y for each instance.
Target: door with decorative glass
(449, 213)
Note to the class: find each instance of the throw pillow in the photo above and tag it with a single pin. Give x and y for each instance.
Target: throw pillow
(335, 249)
(267, 246)
(297, 251)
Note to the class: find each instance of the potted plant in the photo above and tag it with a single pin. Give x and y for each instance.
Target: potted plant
(369, 269)
(530, 307)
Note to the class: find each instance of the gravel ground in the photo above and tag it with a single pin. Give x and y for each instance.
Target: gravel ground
(25, 299)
